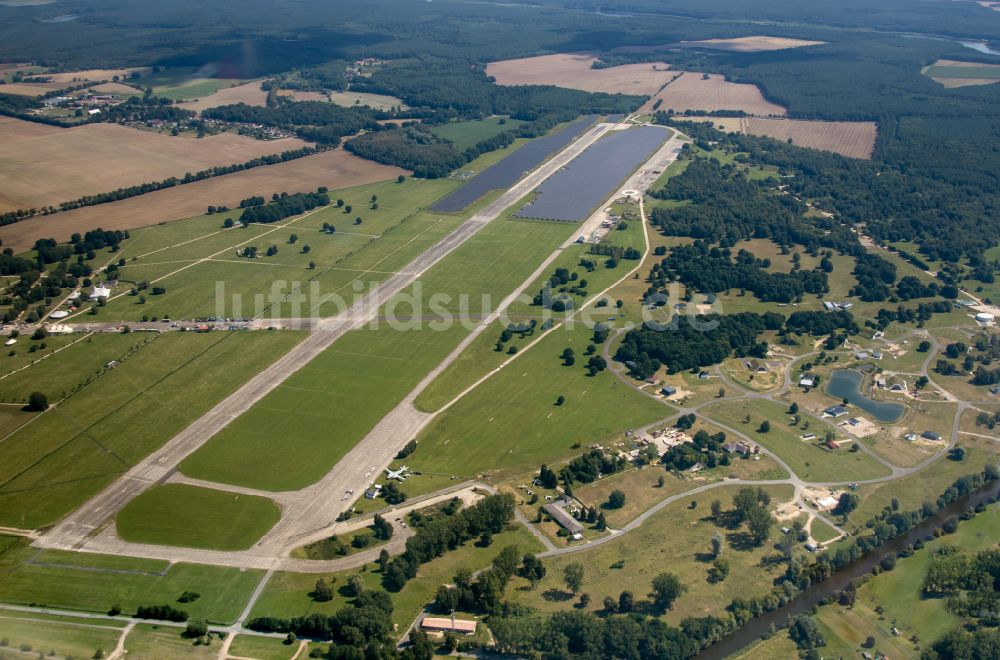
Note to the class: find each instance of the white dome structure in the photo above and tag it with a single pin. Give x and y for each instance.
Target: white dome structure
(985, 317)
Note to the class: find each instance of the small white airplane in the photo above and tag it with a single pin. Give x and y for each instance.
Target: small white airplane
(398, 475)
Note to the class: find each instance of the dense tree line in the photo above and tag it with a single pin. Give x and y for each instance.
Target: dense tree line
(698, 342)
(725, 206)
(317, 121)
(413, 147)
(285, 206)
(484, 593)
(714, 270)
(818, 324)
(593, 464)
(704, 448)
(490, 515)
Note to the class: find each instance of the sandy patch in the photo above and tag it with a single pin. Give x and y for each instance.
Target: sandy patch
(574, 70)
(752, 44)
(249, 93)
(708, 92)
(862, 429)
(83, 160)
(334, 169)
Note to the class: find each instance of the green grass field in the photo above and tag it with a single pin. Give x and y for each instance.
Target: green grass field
(674, 540)
(150, 641)
(65, 637)
(193, 517)
(322, 417)
(807, 459)
(465, 134)
(196, 260)
(224, 591)
(510, 423)
(262, 648)
(56, 373)
(56, 462)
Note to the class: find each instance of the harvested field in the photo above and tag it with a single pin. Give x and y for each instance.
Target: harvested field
(249, 93)
(94, 74)
(854, 139)
(375, 101)
(30, 89)
(116, 88)
(708, 92)
(757, 44)
(297, 95)
(14, 130)
(96, 158)
(334, 169)
(954, 73)
(573, 70)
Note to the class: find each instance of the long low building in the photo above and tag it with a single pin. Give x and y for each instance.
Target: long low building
(444, 624)
(561, 516)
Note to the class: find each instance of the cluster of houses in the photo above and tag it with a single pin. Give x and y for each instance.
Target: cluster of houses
(90, 103)
(257, 131)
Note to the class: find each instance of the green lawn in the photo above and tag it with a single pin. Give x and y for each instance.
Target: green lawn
(338, 546)
(194, 88)
(321, 417)
(193, 517)
(805, 458)
(152, 642)
(510, 423)
(67, 638)
(677, 540)
(56, 374)
(223, 591)
(386, 240)
(262, 648)
(62, 458)
(465, 134)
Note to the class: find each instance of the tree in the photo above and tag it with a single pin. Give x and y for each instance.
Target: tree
(548, 477)
(306, 249)
(356, 584)
(602, 522)
(848, 502)
(722, 392)
(719, 570)
(383, 560)
(392, 493)
(923, 346)
(666, 588)
(573, 576)
(716, 509)
(382, 528)
(292, 239)
(616, 499)
(195, 629)
(626, 601)
(322, 592)
(400, 179)
(560, 400)
(759, 522)
(532, 569)
(793, 409)
(717, 544)
(765, 426)
(38, 402)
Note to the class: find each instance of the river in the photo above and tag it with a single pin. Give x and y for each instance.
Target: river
(754, 629)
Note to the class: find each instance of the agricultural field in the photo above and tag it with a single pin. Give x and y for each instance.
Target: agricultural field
(676, 540)
(50, 579)
(249, 93)
(465, 134)
(334, 168)
(97, 158)
(149, 641)
(954, 73)
(166, 515)
(854, 139)
(709, 92)
(67, 454)
(574, 70)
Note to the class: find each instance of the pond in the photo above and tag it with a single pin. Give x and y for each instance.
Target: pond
(846, 384)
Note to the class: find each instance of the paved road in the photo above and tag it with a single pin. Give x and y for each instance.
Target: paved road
(72, 532)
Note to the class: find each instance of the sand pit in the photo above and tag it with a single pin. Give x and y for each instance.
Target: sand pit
(574, 70)
(756, 44)
(334, 169)
(708, 92)
(854, 139)
(72, 162)
(249, 93)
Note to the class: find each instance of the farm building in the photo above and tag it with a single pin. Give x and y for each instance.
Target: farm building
(558, 512)
(444, 624)
(931, 435)
(807, 380)
(835, 411)
(741, 448)
(896, 384)
(668, 390)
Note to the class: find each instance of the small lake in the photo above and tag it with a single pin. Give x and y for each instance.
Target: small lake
(846, 384)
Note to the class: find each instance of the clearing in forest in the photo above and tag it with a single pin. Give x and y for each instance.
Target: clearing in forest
(756, 44)
(710, 92)
(854, 139)
(954, 73)
(574, 70)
